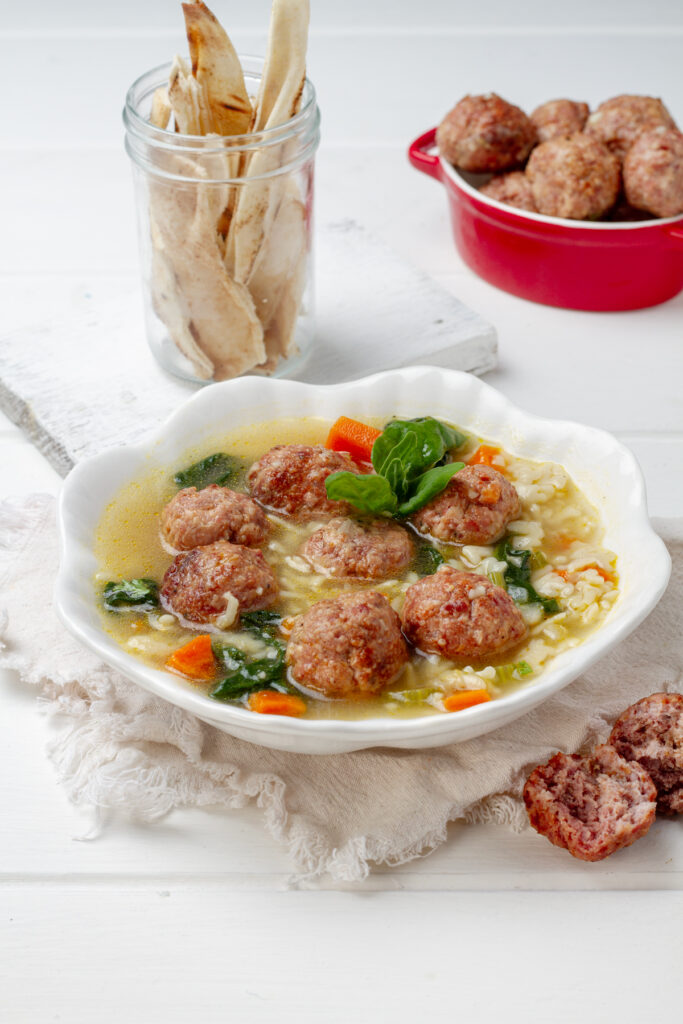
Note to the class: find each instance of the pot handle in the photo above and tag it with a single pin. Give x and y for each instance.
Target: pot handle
(420, 159)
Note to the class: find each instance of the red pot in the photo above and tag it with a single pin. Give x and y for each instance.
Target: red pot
(573, 264)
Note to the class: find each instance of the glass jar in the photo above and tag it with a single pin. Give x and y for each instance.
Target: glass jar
(225, 229)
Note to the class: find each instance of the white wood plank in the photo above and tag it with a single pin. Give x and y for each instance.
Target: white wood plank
(170, 954)
(371, 104)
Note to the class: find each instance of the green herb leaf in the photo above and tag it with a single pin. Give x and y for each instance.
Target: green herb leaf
(214, 469)
(135, 593)
(518, 577)
(427, 486)
(428, 560)
(406, 448)
(367, 492)
(246, 676)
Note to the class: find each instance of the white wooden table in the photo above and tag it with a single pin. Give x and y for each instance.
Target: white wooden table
(192, 918)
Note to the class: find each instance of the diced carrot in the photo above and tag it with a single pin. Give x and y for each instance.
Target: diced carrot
(287, 624)
(484, 456)
(465, 699)
(347, 435)
(565, 540)
(195, 659)
(608, 577)
(270, 702)
(564, 573)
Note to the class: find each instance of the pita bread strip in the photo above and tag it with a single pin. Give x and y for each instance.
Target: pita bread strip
(216, 66)
(168, 305)
(279, 96)
(279, 256)
(161, 108)
(188, 100)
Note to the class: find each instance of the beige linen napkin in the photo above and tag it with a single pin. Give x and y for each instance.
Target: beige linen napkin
(121, 748)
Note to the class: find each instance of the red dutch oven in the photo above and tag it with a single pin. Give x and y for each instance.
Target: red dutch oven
(572, 264)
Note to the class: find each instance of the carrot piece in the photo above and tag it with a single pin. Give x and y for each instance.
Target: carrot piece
(195, 659)
(347, 435)
(484, 456)
(465, 699)
(270, 702)
(608, 577)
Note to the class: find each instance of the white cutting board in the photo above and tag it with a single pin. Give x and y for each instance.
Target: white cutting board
(80, 385)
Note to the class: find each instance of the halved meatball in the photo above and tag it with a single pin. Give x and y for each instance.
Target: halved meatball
(365, 549)
(460, 615)
(593, 805)
(290, 479)
(475, 508)
(651, 733)
(347, 647)
(512, 188)
(558, 118)
(193, 518)
(216, 583)
(485, 133)
(619, 121)
(576, 177)
(653, 172)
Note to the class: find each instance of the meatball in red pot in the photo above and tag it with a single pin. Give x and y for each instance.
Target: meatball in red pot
(485, 133)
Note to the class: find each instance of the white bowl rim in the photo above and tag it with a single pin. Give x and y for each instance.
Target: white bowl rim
(584, 225)
(383, 731)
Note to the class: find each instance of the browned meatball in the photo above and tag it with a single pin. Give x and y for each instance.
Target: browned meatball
(653, 172)
(619, 121)
(591, 806)
(348, 647)
(290, 478)
(370, 549)
(202, 585)
(193, 518)
(651, 732)
(576, 177)
(460, 615)
(512, 188)
(475, 508)
(485, 133)
(559, 118)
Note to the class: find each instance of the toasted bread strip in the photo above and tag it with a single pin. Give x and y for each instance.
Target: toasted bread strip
(279, 96)
(161, 108)
(216, 66)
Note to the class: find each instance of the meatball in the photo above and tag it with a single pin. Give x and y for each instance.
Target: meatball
(370, 550)
(475, 508)
(653, 172)
(651, 733)
(559, 118)
(460, 615)
(512, 188)
(290, 478)
(576, 177)
(485, 133)
(593, 805)
(193, 518)
(349, 647)
(618, 122)
(215, 583)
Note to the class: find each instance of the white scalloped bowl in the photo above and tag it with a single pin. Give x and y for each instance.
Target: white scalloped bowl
(605, 470)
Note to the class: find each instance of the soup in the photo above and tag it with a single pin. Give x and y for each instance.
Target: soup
(546, 570)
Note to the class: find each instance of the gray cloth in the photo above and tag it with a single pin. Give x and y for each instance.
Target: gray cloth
(119, 747)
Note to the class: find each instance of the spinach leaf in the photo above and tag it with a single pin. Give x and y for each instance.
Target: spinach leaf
(518, 577)
(135, 593)
(244, 676)
(367, 492)
(406, 448)
(427, 486)
(428, 560)
(214, 469)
